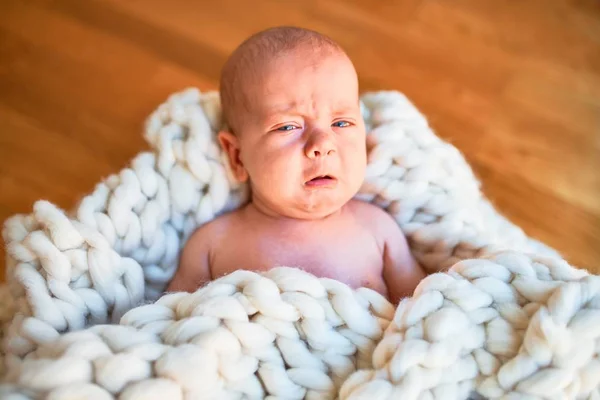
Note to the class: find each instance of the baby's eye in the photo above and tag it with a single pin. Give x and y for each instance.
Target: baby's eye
(341, 124)
(286, 128)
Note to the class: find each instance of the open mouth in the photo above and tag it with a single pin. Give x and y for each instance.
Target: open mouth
(321, 180)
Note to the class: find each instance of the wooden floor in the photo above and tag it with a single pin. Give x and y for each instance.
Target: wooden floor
(514, 84)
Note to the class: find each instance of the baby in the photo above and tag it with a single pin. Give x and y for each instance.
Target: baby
(290, 101)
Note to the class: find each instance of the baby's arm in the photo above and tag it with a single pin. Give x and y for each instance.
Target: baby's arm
(401, 272)
(194, 269)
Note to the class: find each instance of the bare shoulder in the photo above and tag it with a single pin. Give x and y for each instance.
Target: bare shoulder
(374, 217)
(210, 232)
(206, 238)
(401, 271)
(195, 263)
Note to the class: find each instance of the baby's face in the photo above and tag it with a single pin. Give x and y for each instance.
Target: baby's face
(302, 138)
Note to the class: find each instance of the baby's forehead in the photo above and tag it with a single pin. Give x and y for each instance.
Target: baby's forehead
(279, 90)
(254, 68)
(249, 67)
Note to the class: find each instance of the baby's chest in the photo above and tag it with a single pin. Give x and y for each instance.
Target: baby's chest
(351, 257)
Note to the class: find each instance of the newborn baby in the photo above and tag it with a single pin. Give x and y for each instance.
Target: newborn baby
(295, 133)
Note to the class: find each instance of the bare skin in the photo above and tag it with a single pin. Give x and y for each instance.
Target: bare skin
(302, 147)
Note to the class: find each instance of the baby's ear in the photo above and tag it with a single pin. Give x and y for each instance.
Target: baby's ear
(231, 146)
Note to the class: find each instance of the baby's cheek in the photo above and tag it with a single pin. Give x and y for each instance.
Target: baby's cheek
(355, 168)
(277, 174)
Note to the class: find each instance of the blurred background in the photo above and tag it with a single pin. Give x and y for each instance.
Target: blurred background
(515, 85)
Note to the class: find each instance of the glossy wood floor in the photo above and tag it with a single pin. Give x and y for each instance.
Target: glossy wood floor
(514, 84)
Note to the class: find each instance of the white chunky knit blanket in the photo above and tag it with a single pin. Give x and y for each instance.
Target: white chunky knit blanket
(84, 315)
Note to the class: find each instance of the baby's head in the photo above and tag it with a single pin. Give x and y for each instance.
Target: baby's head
(290, 101)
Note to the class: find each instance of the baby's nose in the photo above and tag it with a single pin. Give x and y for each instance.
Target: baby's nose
(319, 146)
(318, 153)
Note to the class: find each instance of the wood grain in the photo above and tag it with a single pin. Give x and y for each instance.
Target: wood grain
(514, 85)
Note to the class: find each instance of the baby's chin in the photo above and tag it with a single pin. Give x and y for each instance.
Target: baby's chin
(307, 203)
(317, 208)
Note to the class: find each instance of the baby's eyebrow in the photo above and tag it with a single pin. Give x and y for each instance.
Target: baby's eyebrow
(280, 109)
(344, 109)
(274, 111)
(271, 114)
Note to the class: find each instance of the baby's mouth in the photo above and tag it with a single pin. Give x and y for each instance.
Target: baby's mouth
(321, 181)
